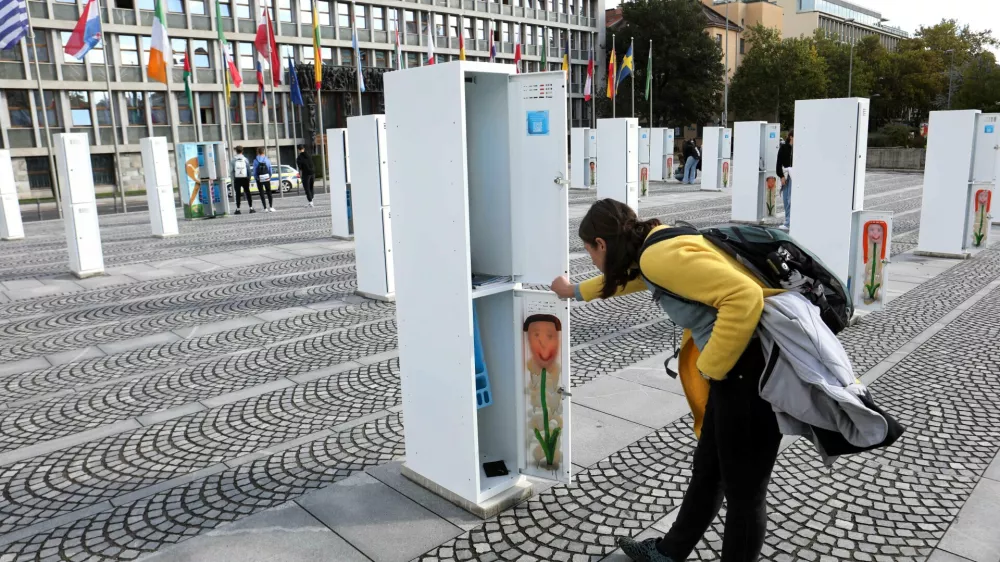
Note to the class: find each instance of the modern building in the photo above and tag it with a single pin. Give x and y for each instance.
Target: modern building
(76, 92)
(742, 15)
(838, 18)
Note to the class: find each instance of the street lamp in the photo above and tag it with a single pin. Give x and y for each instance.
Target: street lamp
(850, 72)
(951, 74)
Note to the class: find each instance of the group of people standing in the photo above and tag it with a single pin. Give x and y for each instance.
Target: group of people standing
(241, 169)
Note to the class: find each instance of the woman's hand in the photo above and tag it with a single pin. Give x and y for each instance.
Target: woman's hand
(563, 288)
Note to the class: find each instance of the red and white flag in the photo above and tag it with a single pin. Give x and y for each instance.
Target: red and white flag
(267, 49)
(517, 47)
(399, 52)
(589, 85)
(430, 41)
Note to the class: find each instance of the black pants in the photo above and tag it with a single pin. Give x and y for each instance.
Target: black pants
(734, 458)
(307, 184)
(263, 187)
(241, 185)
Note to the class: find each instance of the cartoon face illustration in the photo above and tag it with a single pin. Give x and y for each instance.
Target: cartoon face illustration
(770, 181)
(544, 334)
(982, 198)
(875, 233)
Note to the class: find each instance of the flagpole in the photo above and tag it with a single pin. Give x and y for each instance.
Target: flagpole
(227, 118)
(357, 53)
(632, 50)
(614, 80)
(45, 119)
(593, 86)
(274, 99)
(649, 65)
(111, 104)
(322, 135)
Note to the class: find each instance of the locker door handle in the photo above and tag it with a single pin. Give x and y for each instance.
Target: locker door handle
(564, 392)
(560, 180)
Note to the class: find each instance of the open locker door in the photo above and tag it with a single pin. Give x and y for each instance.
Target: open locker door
(541, 322)
(538, 176)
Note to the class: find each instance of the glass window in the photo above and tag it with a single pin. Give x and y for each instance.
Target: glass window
(201, 56)
(718, 38)
(179, 48)
(79, 106)
(197, 7)
(136, 108)
(145, 50)
(227, 10)
(285, 11)
(439, 25)
(505, 28)
(346, 57)
(452, 26)
(381, 59)
(251, 107)
(158, 108)
(343, 15)
(467, 28)
(206, 101)
(412, 60)
(246, 56)
(540, 33)
(529, 34)
(234, 110)
(411, 21)
(41, 47)
(184, 114)
(305, 9)
(146, 5)
(103, 109)
(279, 104)
(38, 172)
(175, 6)
(743, 46)
(378, 18)
(361, 16)
(481, 30)
(14, 53)
(394, 19)
(243, 9)
(18, 108)
(129, 50)
(103, 168)
(49, 108)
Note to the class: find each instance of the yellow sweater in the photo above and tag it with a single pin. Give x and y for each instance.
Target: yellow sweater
(693, 268)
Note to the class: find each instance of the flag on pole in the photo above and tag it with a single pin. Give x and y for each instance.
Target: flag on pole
(15, 22)
(611, 73)
(430, 41)
(545, 50)
(461, 44)
(87, 33)
(187, 82)
(628, 65)
(517, 47)
(357, 58)
(399, 51)
(260, 83)
(493, 45)
(294, 79)
(267, 49)
(589, 85)
(159, 47)
(317, 52)
(565, 57)
(649, 71)
(230, 74)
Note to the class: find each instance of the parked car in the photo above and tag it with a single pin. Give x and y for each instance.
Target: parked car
(290, 179)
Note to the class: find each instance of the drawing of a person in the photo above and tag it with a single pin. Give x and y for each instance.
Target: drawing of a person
(543, 334)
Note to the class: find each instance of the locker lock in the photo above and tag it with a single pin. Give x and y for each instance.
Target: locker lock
(560, 180)
(563, 392)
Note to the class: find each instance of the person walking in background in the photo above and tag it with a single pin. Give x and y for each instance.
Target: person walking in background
(784, 169)
(691, 156)
(239, 171)
(308, 171)
(262, 171)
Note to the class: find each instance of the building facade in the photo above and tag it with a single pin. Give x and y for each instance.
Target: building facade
(838, 18)
(76, 97)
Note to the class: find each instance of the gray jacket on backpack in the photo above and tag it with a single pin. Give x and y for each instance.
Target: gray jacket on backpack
(812, 382)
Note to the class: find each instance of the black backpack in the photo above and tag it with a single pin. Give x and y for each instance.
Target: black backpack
(263, 171)
(772, 256)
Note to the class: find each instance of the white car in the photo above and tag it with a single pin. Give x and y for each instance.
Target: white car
(290, 179)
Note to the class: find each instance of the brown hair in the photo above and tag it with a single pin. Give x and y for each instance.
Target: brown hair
(620, 228)
(542, 318)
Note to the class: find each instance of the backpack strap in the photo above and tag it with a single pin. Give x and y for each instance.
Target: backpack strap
(660, 236)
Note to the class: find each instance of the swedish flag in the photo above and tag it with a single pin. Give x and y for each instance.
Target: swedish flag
(628, 65)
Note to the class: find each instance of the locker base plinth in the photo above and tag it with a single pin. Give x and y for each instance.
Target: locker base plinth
(517, 493)
(390, 297)
(945, 255)
(21, 237)
(88, 274)
(714, 189)
(349, 237)
(166, 235)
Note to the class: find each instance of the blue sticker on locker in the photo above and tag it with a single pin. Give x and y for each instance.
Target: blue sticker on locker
(538, 123)
(989, 129)
(772, 134)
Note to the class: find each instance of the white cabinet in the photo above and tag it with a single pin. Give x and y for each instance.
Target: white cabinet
(755, 182)
(370, 205)
(618, 161)
(11, 227)
(338, 156)
(716, 152)
(79, 205)
(577, 158)
(590, 173)
(159, 186)
(658, 149)
(478, 177)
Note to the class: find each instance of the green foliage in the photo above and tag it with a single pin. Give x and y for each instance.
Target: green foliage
(318, 165)
(687, 64)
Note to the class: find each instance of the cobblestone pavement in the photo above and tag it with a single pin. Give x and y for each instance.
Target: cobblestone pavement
(149, 412)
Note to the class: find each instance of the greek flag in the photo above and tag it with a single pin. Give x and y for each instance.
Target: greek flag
(13, 22)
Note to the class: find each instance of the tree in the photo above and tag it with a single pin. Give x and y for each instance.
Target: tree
(774, 74)
(980, 88)
(869, 56)
(687, 64)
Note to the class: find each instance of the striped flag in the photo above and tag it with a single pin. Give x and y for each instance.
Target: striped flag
(611, 72)
(357, 57)
(493, 45)
(317, 52)
(649, 71)
(461, 44)
(565, 57)
(267, 49)
(294, 82)
(260, 83)
(187, 83)
(159, 49)
(230, 74)
(589, 85)
(14, 15)
(399, 51)
(430, 41)
(517, 47)
(87, 33)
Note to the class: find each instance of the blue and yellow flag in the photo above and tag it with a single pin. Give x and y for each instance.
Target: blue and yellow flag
(628, 65)
(565, 57)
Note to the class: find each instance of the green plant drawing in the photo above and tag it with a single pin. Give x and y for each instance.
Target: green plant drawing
(980, 233)
(872, 287)
(550, 439)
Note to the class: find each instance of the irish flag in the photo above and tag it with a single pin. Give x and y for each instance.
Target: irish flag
(159, 48)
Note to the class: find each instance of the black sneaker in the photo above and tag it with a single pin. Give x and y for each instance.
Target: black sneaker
(238, 212)
(252, 211)
(642, 551)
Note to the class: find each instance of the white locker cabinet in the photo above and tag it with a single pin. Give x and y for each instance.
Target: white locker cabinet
(370, 206)
(11, 227)
(577, 157)
(657, 150)
(618, 159)
(590, 172)
(159, 186)
(716, 152)
(959, 183)
(668, 155)
(828, 178)
(755, 182)
(490, 199)
(340, 178)
(644, 146)
(871, 248)
(83, 232)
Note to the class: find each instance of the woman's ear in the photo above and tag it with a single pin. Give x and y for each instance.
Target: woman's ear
(600, 244)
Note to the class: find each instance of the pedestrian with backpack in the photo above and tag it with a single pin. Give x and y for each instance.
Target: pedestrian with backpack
(784, 169)
(239, 171)
(308, 172)
(691, 156)
(262, 171)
